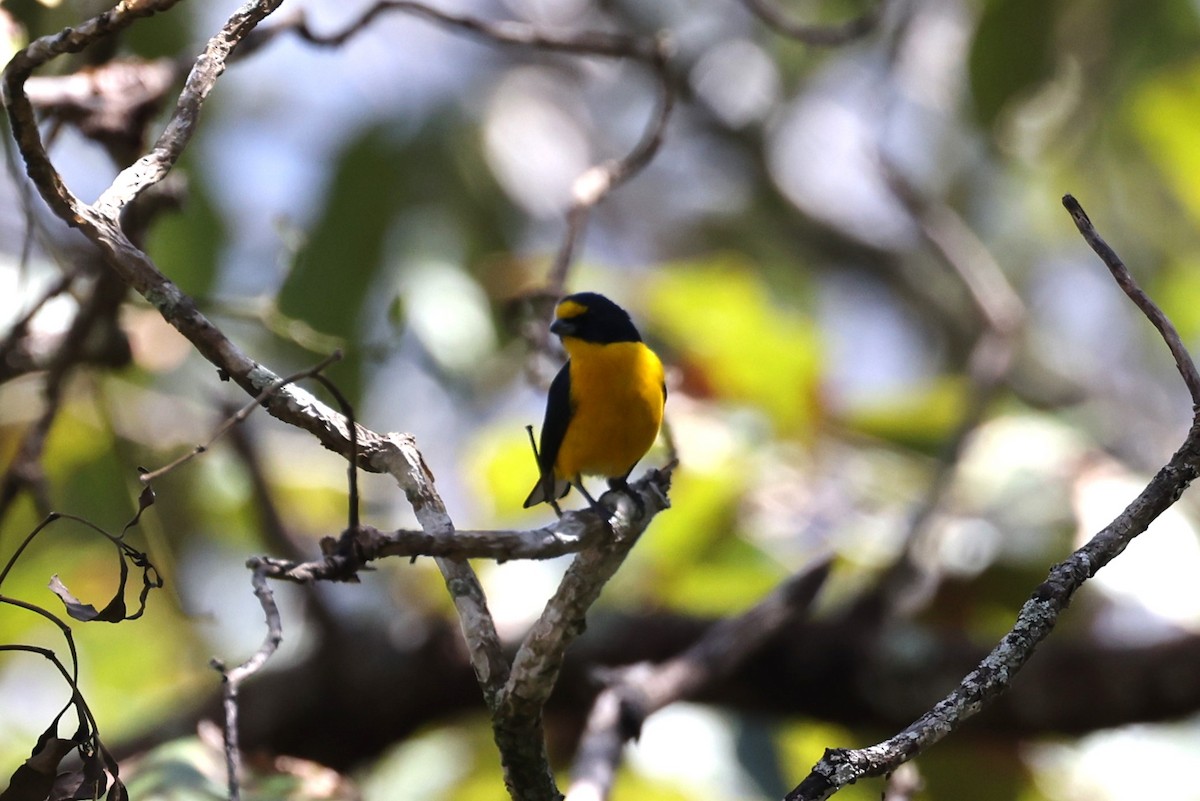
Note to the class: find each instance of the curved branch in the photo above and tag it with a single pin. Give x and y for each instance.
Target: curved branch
(816, 35)
(636, 692)
(1038, 616)
(595, 183)
(516, 697)
(154, 166)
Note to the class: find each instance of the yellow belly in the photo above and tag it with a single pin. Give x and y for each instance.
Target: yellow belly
(617, 400)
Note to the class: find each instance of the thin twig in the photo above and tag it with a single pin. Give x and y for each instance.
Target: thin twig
(1183, 360)
(813, 34)
(240, 416)
(232, 679)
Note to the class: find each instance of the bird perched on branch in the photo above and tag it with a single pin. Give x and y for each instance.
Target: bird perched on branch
(605, 405)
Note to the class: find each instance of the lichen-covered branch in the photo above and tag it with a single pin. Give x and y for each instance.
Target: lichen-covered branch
(1040, 613)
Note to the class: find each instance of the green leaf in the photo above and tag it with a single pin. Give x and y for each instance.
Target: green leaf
(1165, 114)
(329, 282)
(921, 418)
(736, 342)
(1012, 53)
(1177, 288)
(185, 244)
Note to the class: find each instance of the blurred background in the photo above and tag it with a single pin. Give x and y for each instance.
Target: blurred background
(885, 340)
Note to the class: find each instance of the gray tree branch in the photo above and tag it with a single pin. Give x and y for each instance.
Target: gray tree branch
(1037, 618)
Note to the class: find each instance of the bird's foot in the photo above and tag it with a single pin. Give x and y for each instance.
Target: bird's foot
(621, 486)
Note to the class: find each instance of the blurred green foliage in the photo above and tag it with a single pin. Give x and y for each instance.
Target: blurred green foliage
(723, 275)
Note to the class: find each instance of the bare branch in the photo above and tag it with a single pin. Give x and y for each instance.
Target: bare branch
(1183, 360)
(404, 462)
(358, 548)
(817, 35)
(240, 416)
(233, 679)
(539, 658)
(18, 355)
(638, 691)
(154, 166)
(1040, 613)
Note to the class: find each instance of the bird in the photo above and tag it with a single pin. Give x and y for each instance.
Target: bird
(605, 405)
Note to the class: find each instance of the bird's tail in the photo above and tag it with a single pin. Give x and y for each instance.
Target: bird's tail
(548, 488)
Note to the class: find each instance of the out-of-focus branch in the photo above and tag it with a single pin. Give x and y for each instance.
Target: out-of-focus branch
(634, 693)
(18, 353)
(598, 181)
(1040, 613)
(588, 43)
(595, 183)
(813, 34)
(92, 331)
(111, 103)
(1002, 313)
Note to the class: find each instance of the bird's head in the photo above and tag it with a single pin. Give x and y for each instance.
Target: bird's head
(591, 317)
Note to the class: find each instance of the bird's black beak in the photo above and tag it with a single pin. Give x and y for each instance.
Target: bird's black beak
(564, 327)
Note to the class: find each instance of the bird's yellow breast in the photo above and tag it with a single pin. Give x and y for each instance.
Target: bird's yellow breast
(617, 408)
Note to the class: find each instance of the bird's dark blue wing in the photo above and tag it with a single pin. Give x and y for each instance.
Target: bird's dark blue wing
(554, 428)
(558, 414)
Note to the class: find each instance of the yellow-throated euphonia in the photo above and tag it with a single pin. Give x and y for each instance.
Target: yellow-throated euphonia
(606, 403)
